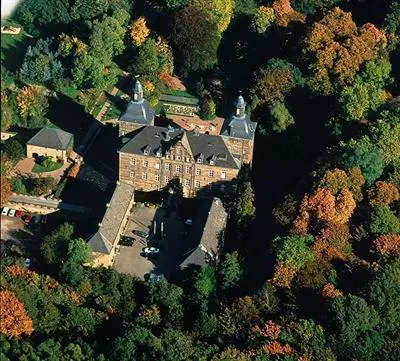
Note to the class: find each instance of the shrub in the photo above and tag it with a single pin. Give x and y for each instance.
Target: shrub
(14, 149)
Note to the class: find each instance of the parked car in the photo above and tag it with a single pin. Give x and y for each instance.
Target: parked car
(27, 218)
(188, 222)
(155, 277)
(140, 233)
(151, 250)
(127, 241)
(36, 219)
(11, 212)
(18, 213)
(5, 211)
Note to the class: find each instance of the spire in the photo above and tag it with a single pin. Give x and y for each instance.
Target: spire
(240, 106)
(137, 91)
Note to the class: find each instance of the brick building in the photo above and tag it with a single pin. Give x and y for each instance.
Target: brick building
(152, 156)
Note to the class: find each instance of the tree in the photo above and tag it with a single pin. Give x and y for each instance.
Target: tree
(5, 191)
(243, 206)
(230, 270)
(280, 117)
(355, 322)
(54, 247)
(275, 81)
(176, 4)
(312, 6)
(384, 293)
(196, 38)
(204, 282)
(387, 244)
(294, 250)
(14, 320)
(337, 49)
(262, 19)
(14, 149)
(139, 31)
(363, 154)
(32, 107)
(147, 59)
(176, 345)
(218, 11)
(149, 316)
(383, 193)
(6, 165)
(383, 220)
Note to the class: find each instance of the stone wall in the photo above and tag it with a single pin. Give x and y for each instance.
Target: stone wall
(125, 128)
(46, 152)
(240, 148)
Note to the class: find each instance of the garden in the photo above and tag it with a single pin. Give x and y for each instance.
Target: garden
(46, 164)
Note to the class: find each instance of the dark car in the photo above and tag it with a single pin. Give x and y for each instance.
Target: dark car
(127, 241)
(140, 233)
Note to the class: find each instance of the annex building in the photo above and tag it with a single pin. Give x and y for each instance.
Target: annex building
(151, 155)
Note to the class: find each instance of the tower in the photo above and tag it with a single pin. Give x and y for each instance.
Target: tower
(137, 92)
(238, 133)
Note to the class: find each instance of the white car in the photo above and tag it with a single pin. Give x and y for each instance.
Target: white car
(5, 211)
(151, 250)
(11, 213)
(188, 222)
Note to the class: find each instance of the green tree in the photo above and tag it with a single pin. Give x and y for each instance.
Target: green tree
(14, 149)
(147, 59)
(54, 247)
(385, 294)
(280, 117)
(312, 6)
(354, 322)
(230, 270)
(383, 220)
(363, 154)
(294, 250)
(176, 4)
(243, 206)
(205, 282)
(176, 345)
(262, 19)
(80, 319)
(196, 38)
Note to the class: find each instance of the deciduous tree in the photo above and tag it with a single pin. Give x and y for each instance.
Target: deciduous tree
(262, 19)
(5, 191)
(230, 271)
(218, 11)
(139, 31)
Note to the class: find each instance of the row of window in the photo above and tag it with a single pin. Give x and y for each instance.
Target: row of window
(178, 168)
(166, 179)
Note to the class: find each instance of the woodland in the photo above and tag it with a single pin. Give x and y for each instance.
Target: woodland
(310, 269)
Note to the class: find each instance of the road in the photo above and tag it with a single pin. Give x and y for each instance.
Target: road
(48, 203)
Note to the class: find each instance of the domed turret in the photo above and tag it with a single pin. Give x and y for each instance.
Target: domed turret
(138, 92)
(240, 105)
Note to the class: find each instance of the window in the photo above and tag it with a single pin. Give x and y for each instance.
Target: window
(167, 156)
(166, 178)
(123, 132)
(188, 159)
(211, 173)
(178, 157)
(223, 175)
(144, 176)
(198, 171)
(157, 178)
(132, 161)
(197, 184)
(187, 182)
(177, 168)
(199, 160)
(187, 169)
(157, 165)
(167, 167)
(145, 163)
(132, 174)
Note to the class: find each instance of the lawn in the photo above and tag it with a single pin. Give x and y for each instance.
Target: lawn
(39, 168)
(13, 48)
(179, 93)
(112, 112)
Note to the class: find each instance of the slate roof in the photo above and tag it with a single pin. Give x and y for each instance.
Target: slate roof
(138, 112)
(239, 127)
(176, 99)
(153, 138)
(211, 147)
(54, 138)
(211, 224)
(105, 237)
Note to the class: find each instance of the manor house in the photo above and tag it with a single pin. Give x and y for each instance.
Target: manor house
(152, 155)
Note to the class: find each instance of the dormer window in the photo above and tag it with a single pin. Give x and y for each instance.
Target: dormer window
(146, 150)
(222, 156)
(158, 152)
(200, 158)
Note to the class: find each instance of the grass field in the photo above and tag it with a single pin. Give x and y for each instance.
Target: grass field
(13, 48)
(38, 168)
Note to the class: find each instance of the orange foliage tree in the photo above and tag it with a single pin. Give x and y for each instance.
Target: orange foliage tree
(14, 320)
(338, 48)
(283, 275)
(329, 291)
(276, 348)
(5, 191)
(388, 243)
(139, 31)
(383, 193)
(285, 13)
(323, 206)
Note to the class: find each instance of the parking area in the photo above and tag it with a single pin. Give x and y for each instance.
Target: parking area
(167, 232)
